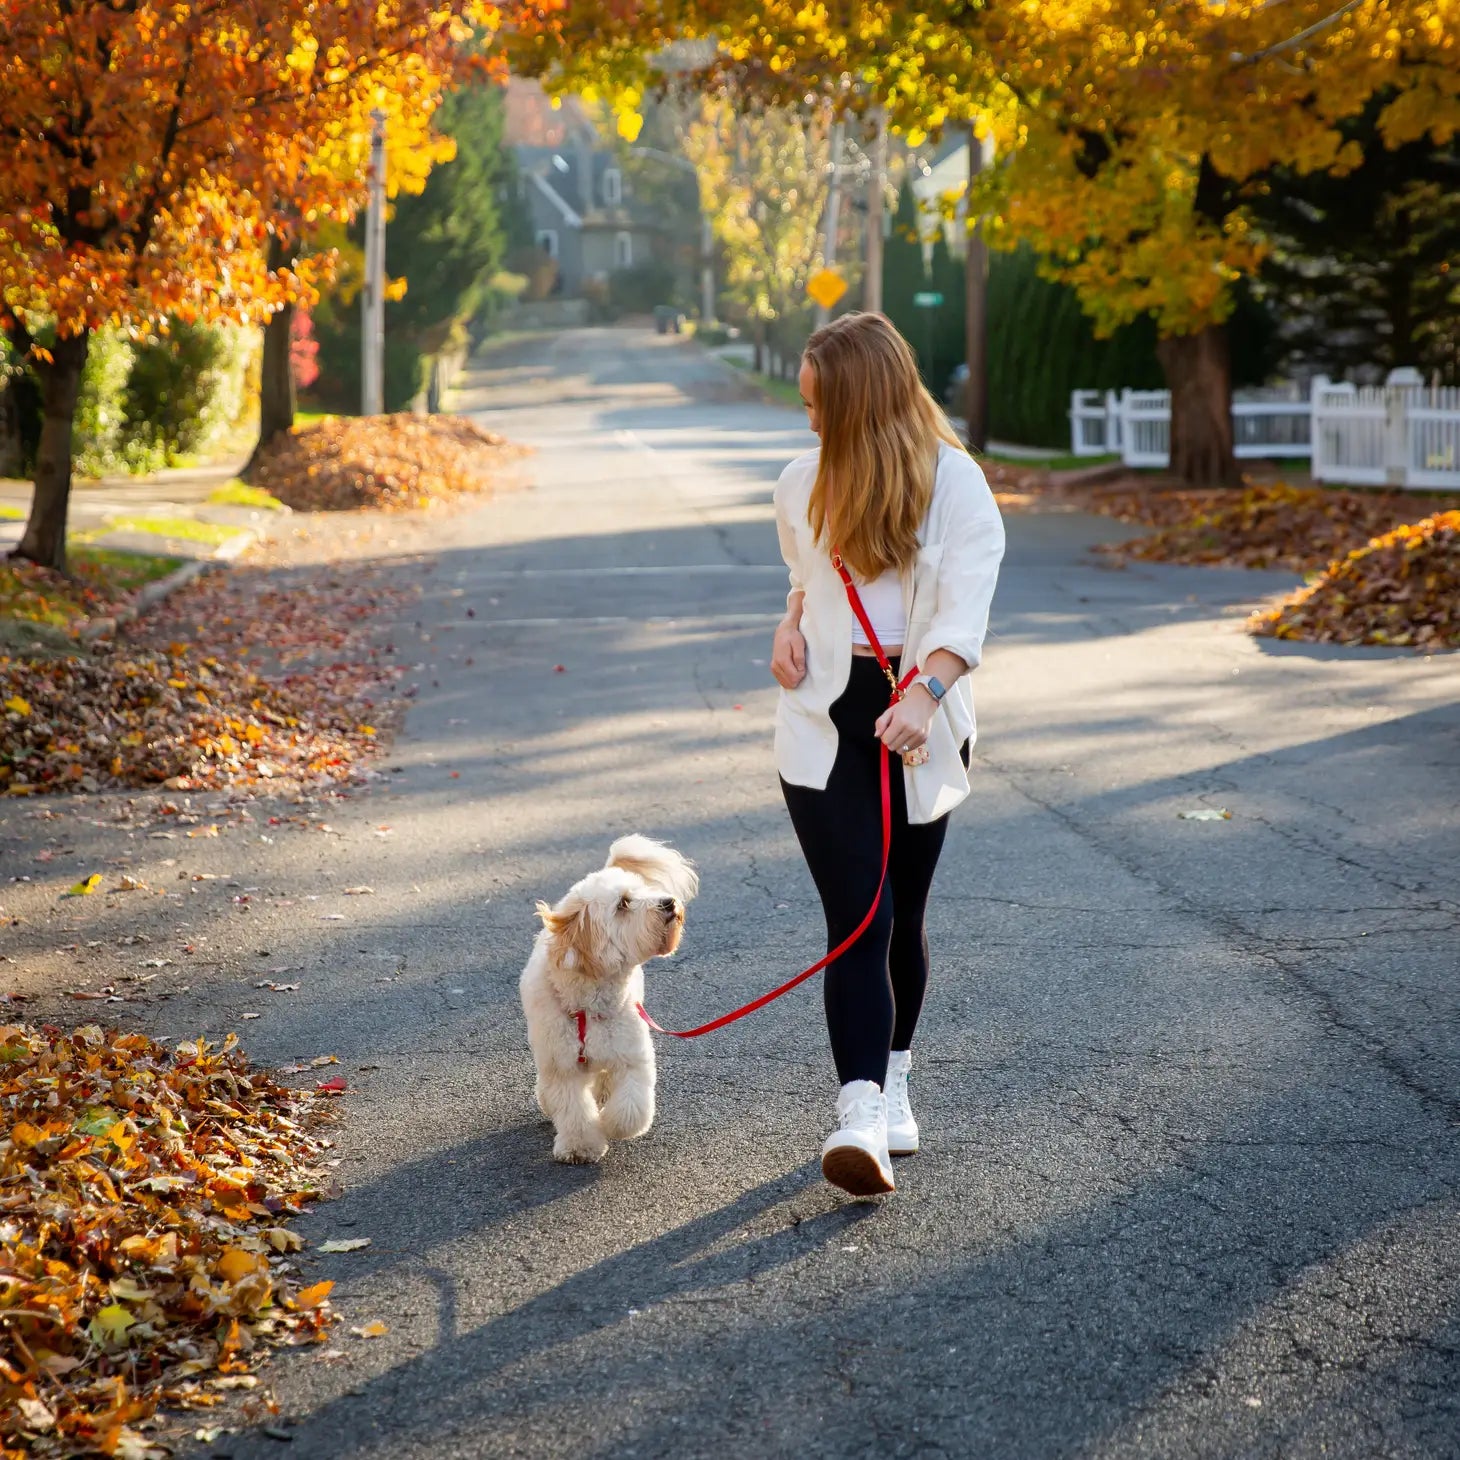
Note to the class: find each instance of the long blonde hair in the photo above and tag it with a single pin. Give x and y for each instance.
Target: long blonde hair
(880, 431)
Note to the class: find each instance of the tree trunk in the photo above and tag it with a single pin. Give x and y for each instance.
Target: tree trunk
(276, 374)
(276, 382)
(44, 541)
(1198, 370)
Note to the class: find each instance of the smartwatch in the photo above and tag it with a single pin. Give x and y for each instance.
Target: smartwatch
(933, 685)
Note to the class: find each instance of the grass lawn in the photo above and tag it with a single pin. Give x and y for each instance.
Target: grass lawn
(183, 529)
(98, 577)
(240, 494)
(785, 392)
(1049, 463)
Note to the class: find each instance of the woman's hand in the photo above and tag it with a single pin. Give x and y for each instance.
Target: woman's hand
(903, 727)
(788, 654)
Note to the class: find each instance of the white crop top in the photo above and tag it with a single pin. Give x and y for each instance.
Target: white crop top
(883, 600)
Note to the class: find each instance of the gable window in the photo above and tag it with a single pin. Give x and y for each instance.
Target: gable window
(623, 250)
(547, 241)
(613, 187)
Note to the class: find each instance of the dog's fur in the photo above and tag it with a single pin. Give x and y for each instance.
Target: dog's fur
(590, 956)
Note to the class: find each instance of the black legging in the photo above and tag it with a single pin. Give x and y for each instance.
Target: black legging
(874, 991)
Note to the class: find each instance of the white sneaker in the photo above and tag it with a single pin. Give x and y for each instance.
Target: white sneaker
(855, 1154)
(902, 1129)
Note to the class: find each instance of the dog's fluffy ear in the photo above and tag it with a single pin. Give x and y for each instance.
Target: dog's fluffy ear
(574, 933)
(658, 865)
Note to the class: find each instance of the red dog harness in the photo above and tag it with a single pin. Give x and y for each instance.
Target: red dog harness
(582, 1018)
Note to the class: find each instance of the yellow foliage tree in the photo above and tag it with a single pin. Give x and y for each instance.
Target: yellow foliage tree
(764, 176)
(1129, 134)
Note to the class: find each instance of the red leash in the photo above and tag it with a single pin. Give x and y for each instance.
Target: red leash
(899, 687)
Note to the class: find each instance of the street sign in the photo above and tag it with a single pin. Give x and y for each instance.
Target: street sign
(825, 287)
(927, 300)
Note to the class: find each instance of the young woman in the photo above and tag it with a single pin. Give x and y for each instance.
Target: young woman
(894, 498)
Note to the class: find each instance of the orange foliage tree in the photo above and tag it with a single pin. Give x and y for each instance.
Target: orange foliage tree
(145, 142)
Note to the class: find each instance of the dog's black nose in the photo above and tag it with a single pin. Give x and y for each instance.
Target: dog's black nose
(668, 906)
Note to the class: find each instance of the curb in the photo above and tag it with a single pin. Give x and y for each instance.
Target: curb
(153, 594)
(747, 380)
(1090, 476)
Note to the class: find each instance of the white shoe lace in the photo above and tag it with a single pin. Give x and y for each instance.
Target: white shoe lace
(864, 1112)
(899, 1109)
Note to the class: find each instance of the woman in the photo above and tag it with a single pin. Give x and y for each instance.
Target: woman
(892, 493)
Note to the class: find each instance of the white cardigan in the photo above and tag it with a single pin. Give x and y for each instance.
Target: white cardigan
(947, 596)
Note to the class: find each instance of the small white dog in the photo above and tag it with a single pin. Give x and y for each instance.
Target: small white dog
(583, 991)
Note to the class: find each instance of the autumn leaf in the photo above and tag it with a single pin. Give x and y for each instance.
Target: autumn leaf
(85, 887)
(237, 1263)
(17, 706)
(313, 1296)
(76, 1233)
(1402, 588)
(343, 1244)
(375, 1329)
(108, 1329)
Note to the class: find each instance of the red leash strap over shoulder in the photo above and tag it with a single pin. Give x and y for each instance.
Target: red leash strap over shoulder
(885, 778)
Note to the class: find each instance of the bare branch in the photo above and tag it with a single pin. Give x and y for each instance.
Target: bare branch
(1248, 58)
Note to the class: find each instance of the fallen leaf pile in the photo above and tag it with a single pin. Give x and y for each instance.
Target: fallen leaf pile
(143, 717)
(1259, 526)
(96, 585)
(142, 1193)
(394, 462)
(240, 679)
(1401, 588)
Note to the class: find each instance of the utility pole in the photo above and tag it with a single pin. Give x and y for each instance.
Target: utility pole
(833, 211)
(372, 297)
(976, 276)
(872, 283)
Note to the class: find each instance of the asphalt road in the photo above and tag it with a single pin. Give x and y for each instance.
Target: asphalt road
(1190, 1091)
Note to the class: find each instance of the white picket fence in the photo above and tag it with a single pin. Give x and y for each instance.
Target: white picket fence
(1401, 434)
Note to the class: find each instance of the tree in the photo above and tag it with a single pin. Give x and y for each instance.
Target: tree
(445, 241)
(947, 327)
(140, 140)
(903, 274)
(407, 89)
(1130, 137)
(1363, 265)
(764, 174)
(1137, 140)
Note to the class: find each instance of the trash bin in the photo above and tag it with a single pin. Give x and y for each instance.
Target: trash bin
(668, 319)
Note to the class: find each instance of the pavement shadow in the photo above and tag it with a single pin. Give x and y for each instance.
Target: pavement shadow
(690, 1261)
(1053, 1334)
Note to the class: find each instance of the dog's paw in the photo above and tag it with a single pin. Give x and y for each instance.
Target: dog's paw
(579, 1153)
(625, 1123)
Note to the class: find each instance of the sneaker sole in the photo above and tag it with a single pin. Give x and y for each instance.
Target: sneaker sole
(855, 1172)
(905, 1151)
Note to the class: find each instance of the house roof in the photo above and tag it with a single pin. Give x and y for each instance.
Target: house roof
(571, 178)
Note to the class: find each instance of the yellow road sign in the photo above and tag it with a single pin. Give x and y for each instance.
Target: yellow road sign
(825, 287)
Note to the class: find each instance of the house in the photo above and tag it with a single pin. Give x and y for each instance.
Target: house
(584, 214)
(590, 213)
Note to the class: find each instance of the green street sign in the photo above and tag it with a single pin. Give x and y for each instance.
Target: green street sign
(927, 301)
